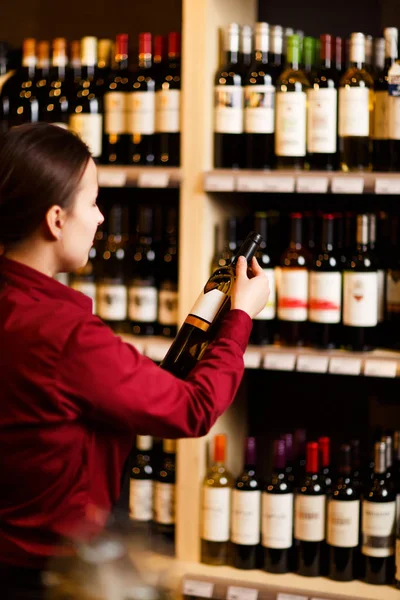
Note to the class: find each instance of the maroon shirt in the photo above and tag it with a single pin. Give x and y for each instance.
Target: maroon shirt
(72, 397)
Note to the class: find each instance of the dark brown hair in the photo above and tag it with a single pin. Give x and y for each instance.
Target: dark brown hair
(40, 165)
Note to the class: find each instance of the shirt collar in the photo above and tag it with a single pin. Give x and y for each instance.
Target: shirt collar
(31, 280)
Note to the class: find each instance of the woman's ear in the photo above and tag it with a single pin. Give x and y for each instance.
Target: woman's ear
(55, 220)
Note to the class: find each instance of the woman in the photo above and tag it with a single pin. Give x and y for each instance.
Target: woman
(72, 394)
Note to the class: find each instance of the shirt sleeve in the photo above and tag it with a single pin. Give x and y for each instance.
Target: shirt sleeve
(109, 381)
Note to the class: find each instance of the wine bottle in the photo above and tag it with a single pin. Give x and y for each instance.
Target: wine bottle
(293, 287)
(168, 94)
(378, 523)
(246, 512)
(158, 56)
(360, 292)
(396, 461)
(264, 325)
(259, 105)
(289, 453)
(291, 111)
(394, 108)
(299, 450)
(369, 47)
(168, 291)
(142, 292)
(325, 290)
(322, 111)
(276, 57)
(228, 106)
(355, 105)
(141, 107)
(86, 109)
(116, 137)
(201, 325)
(392, 312)
(245, 49)
(103, 68)
(324, 457)
(164, 494)
(42, 70)
(339, 55)
(74, 71)
(141, 489)
(277, 516)
(216, 503)
(54, 104)
(356, 472)
(309, 517)
(344, 522)
(376, 250)
(388, 441)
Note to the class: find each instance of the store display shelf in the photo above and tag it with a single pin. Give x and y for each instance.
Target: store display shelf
(117, 176)
(307, 182)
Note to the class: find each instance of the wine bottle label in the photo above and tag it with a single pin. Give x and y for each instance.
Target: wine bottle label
(142, 304)
(90, 130)
(269, 312)
(141, 112)
(228, 109)
(115, 113)
(293, 295)
(215, 514)
(393, 291)
(380, 130)
(167, 307)
(290, 134)
(88, 288)
(354, 111)
(309, 518)
(378, 528)
(381, 295)
(322, 121)
(259, 109)
(394, 107)
(141, 499)
(112, 302)
(277, 520)
(206, 309)
(360, 299)
(325, 297)
(246, 517)
(343, 523)
(164, 503)
(397, 575)
(168, 103)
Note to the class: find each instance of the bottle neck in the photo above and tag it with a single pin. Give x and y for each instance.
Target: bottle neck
(248, 248)
(380, 458)
(362, 231)
(296, 236)
(121, 63)
(328, 239)
(312, 465)
(261, 45)
(232, 57)
(357, 53)
(232, 45)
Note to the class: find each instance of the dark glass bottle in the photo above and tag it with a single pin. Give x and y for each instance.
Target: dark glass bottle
(339, 55)
(392, 311)
(324, 455)
(356, 470)
(299, 451)
(393, 105)
(164, 494)
(228, 106)
(246, 512)
(54, 104)
(259, 105)
(168, 290)
(308, 56)
(277, 516)
(245, 52)
(289, 453)
(141, 490)
(344, 521)
(325, 290)
(42, 70)
(276, 57)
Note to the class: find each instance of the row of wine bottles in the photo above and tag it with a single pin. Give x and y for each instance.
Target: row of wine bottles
(308, 517)
(132, 278)
(282, 107)
(126, 116)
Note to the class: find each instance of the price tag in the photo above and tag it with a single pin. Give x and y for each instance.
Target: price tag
(380, 368)
(312, 185)
(107, 177)
(290, 597)
(279, 184)
(153, 179)
(345, 366)
(387, 186)
(247, 183)
(202, 589)
(241, 593)
(347, 185)
(252, 358)
(219, 183)
(157, 348)
(310, 363)
(277, 361)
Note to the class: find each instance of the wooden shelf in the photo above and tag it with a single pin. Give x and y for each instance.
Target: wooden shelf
(117, 176)
(307, 182)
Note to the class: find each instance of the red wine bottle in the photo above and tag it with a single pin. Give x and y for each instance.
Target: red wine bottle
(309, 519)
(324, 455)
(277, 516)
(246, 512)
(201, 325)
(289, 452)
(299, 451)
(344, 521)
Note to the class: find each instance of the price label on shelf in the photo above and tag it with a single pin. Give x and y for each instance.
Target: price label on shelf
(279, 361)
(153, 179)
(380, 368)
(309, 363)
(290, 597)
(250, 183)
(241, 593)
(215, 182)
(312, 185)
(109, 177)
(202, 589)
(278, 184)
(387, 185)
(347, 185)
(345, 365)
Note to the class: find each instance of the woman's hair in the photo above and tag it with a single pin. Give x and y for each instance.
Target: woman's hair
(41, 165)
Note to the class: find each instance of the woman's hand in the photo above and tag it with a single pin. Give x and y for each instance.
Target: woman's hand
(251, 289)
